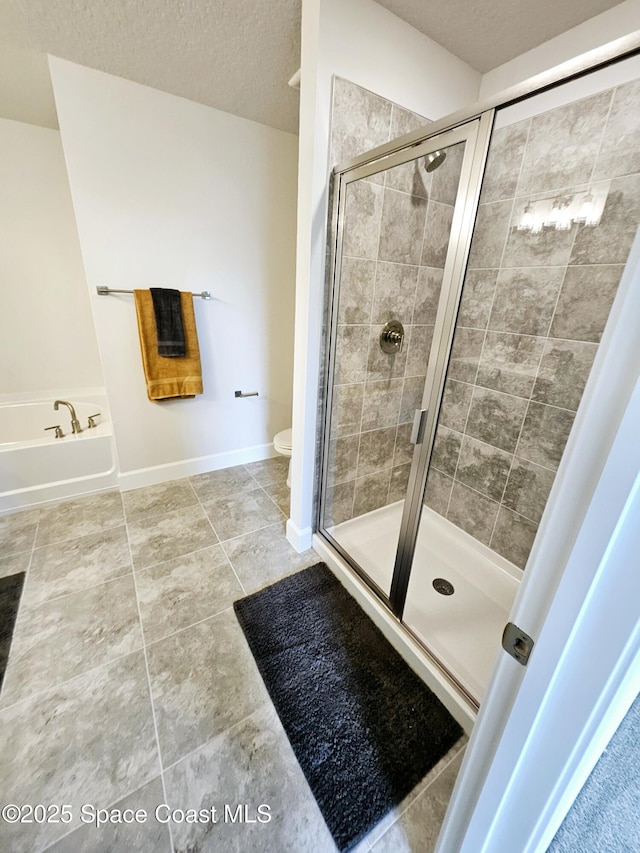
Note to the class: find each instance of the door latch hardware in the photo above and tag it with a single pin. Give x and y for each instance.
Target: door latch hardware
(517, 643)
(419, 421)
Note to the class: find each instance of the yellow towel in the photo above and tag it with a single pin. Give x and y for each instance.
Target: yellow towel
(168, 377)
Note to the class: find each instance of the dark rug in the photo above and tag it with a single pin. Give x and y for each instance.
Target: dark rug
(363, 726)
(10, 591)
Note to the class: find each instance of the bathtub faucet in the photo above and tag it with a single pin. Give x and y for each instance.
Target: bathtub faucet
(75, 423)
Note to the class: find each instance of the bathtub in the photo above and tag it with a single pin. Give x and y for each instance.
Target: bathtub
(36, 467)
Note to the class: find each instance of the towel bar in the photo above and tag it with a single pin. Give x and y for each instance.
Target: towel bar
(105, 291)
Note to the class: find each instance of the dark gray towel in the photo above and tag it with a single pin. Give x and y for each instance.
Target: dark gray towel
(169, 328)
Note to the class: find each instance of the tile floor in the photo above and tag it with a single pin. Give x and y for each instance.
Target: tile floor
(130, 683)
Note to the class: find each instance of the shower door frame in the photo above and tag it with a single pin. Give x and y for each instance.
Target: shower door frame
(476, 134)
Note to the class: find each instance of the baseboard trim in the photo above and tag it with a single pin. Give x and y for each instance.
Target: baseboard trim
(301, 540)
(141, 477)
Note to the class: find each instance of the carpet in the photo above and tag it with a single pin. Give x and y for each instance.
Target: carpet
(10, 591)
(363, 726)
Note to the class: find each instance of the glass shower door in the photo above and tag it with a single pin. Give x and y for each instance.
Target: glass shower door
(397, 221)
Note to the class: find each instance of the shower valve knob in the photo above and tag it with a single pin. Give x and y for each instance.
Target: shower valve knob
(392, 337)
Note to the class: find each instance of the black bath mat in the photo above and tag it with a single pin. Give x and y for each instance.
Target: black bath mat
(10, 591)
(363, 726)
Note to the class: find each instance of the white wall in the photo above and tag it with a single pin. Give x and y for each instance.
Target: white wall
(171, 193)
(597, 31)
(48, 340)
(364, 43)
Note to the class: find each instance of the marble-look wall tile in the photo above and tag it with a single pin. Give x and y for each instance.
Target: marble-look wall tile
(496, 418)
(405, 121)
(528, 488)
(360, 120)
(610, 241)
(446, 178)
(544, 434)
(427, 296)
(381, 404)
(403, 452)
(490, 235)
(339, 503)
(437, 231)
(438, 491)
(363, 211)
(376, 451)
(352, 345)
(585, 301)
(477, 298)
(403, 218)
(473, 512)
(619, 151)
(371, 492)
(418, 349)
(504, 162)
(346, 409)
(446, 449)
(455, 404)
(412, 392)
(395, 292)
(465, 354)
(399, 482)
(563, 373)
(343, 457)
(483, 467)
(356, 290)
(509, 362)
(525, 299)
(563, 144)
(513, 537)
(410, 178)
(547, 248)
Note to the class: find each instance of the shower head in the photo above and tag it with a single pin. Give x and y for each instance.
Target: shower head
(432, 161)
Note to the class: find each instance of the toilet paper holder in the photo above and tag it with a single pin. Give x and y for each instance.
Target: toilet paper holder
(246, 394)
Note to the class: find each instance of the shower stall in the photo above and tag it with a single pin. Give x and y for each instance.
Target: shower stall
(473, 268)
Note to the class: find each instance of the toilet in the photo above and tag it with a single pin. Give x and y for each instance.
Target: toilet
(282, 444)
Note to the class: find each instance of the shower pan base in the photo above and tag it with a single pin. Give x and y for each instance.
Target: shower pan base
(462, 630)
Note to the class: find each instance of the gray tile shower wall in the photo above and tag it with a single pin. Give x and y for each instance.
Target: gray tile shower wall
(532, 314)
(395, 239)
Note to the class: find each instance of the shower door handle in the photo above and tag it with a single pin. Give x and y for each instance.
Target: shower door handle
(419, 421)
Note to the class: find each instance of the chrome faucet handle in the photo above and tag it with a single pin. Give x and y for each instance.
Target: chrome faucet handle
(91, 423)
(59, 433)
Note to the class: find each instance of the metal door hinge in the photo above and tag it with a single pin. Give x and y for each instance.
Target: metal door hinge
(517, 643)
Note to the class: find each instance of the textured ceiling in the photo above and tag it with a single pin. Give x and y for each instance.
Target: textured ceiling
(236, 55)
(486, 33)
